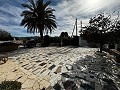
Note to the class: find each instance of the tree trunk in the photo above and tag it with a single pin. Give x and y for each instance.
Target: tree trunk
(101, 47)
(41, 35)
(101, 41)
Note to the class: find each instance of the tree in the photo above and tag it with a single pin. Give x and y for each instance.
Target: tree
(98, 30)
(38, 17)
(116, 30)
(65, 39)
(4, 35)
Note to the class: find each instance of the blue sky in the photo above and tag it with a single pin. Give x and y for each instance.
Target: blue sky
(66, 13)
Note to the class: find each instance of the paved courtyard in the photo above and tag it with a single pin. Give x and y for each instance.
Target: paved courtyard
(39, 68)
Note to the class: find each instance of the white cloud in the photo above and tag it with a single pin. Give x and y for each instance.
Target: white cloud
(68, 10)
(11, 13)
(66, 13)
(10, 20)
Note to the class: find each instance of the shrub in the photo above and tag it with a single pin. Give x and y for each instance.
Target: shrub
(75, 41)
(10, 85)
(46, 40)
(5, 36)
(8, 46)
(30, 43)
(66, 41)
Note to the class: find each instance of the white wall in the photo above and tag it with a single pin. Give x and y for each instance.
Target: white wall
(82, 42)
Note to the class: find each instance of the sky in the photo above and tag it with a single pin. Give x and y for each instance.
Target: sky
(66, 11)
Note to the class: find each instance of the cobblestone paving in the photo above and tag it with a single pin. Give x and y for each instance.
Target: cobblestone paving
(10, 71)
(39, 68)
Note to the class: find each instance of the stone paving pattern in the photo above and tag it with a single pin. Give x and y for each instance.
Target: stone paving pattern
(39, 68)
(10, 71)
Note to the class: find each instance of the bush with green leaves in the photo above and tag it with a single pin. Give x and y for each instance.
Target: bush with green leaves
(10, 85)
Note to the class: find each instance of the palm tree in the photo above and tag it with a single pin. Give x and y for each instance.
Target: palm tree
(38, 18)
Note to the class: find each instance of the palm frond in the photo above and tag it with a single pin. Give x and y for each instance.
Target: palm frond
(26, 12)
(39, 4)
(32, 3)
(39, 17)
(46, 4)
(28, 6)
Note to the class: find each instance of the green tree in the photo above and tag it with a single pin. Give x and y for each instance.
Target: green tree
(97, 30)
(64, 34)
(38, 18)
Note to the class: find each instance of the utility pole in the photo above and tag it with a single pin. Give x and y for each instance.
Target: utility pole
(76, 26)
(81, 26)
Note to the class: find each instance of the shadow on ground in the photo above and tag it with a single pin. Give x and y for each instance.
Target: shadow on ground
(90, 73)
(51, 50)
(19, 51)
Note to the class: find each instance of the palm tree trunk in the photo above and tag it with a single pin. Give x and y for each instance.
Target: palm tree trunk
(41, 35)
